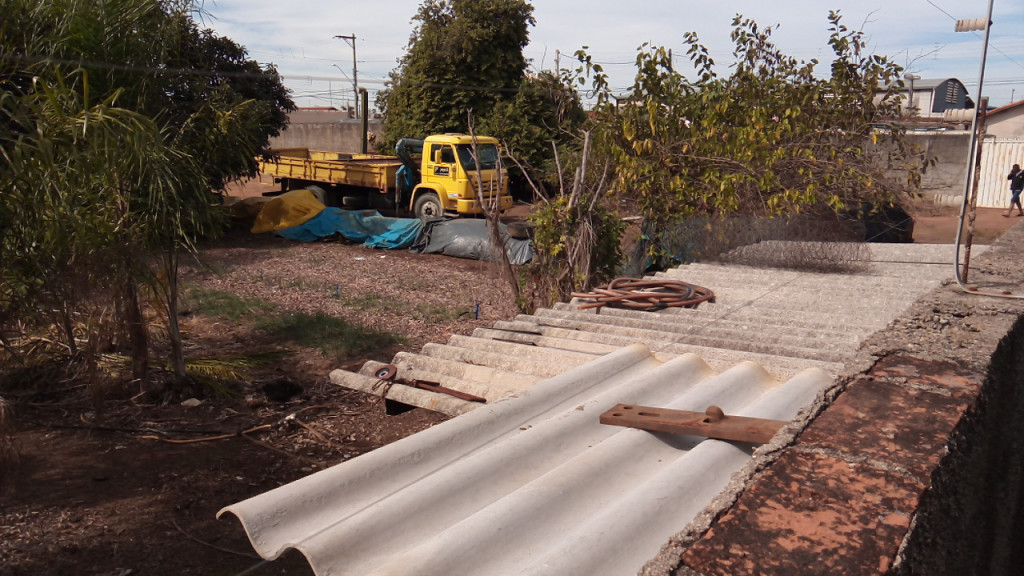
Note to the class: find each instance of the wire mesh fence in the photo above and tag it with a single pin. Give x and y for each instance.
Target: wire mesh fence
(799, 242)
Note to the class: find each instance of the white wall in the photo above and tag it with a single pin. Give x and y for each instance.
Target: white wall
(1007, 124)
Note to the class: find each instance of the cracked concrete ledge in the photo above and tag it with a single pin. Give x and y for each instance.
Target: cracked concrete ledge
(911, 464)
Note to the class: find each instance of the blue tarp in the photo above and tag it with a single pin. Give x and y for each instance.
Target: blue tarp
(462, 237)
(367, 227)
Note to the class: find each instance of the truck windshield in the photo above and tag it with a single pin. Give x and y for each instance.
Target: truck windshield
(487, 153)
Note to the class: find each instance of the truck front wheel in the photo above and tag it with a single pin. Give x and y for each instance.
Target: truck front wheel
(427, 206)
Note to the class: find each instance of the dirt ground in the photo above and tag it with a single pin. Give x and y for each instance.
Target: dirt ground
(108, 484)
(938, 226)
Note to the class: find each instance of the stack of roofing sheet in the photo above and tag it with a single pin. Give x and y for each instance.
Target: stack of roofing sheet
(784, 320)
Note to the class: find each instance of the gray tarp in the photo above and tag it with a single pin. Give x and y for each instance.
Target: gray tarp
(467, 238)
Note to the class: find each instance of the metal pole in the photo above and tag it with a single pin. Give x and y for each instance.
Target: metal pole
(972, 211)
(972, 149)
(355, 78)
(366, 119)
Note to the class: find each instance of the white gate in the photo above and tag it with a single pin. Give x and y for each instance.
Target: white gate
(997, 157)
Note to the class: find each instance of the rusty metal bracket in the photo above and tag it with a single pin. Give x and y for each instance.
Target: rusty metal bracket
(389, 372)
(435, 387)
(712, 423)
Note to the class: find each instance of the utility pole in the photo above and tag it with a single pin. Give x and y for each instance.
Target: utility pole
(351, 40)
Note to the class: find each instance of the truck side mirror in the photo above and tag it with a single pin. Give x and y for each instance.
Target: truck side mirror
(437, 156)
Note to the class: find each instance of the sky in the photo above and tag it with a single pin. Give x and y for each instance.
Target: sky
(300, 37)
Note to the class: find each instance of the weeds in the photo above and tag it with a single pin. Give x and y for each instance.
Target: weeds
(332, 336)
(438, 314)
(213, 373)
(226, 305)
(370, 302)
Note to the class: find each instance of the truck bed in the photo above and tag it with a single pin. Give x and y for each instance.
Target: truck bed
(362, 170)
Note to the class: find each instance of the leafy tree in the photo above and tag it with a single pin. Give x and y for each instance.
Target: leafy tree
(121, 117)
(463, 55)
(544, 113)
(770, 138)
(464, 59)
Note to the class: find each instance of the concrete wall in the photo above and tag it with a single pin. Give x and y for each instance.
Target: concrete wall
(946, 178)
(971, 521)
(339, 136)
(950, 152)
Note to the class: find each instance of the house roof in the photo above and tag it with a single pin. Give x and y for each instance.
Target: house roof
(932, 83)
(1005, 108)
(924, 84)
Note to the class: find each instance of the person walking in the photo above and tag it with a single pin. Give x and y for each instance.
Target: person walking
(1016, 179)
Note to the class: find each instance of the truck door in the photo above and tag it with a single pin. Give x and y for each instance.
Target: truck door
(442, 161)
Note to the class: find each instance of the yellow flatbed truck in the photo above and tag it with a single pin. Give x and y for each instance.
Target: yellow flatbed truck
(445, 174)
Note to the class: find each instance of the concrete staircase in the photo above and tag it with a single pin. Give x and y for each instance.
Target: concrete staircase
(784, 320)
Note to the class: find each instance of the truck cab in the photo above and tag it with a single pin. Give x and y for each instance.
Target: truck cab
(458, 174)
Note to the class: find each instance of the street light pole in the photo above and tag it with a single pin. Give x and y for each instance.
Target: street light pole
(351, 40)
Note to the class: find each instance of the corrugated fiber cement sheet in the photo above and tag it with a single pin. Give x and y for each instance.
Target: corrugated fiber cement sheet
(532, 484)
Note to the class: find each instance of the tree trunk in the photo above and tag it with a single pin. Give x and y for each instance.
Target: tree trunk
(67, 326)
(138, 335)
(173, 328)
(492, 214)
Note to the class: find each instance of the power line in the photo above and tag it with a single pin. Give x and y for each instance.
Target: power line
(992, 44)
(148, 70)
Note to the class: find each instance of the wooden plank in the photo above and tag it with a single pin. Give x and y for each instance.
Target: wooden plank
(712, 423)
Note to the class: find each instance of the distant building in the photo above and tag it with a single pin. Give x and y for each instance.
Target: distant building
(319, 115)
(1006, 121)
(929, 98)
